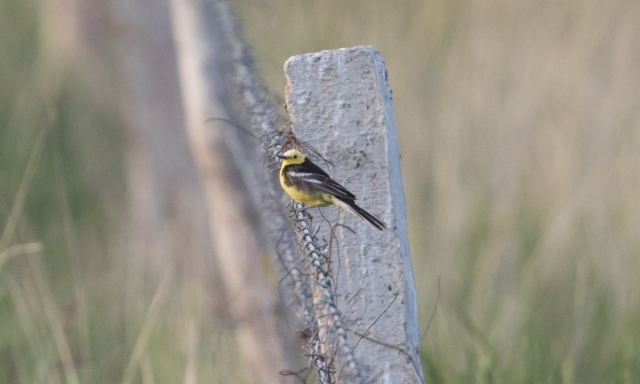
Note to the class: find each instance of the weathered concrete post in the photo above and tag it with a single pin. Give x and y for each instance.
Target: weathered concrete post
(206, 49)
(340, 102)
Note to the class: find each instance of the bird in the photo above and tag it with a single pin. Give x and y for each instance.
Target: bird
(309, 184)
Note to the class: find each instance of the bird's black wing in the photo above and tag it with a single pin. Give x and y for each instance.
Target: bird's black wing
(316, 178)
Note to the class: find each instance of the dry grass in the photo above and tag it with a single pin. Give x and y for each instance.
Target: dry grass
(519, 127)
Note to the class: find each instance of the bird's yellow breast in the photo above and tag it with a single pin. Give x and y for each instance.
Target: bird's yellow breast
(305, 196)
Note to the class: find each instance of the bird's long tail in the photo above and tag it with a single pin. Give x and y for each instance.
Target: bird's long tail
(351, 206)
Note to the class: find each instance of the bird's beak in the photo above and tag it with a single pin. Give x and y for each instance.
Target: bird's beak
(281, 156)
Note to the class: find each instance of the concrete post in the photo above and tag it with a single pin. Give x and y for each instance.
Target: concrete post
(340, 103)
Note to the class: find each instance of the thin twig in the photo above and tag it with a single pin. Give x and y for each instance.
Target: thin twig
(407, 354)
(432, 313)
(395, 296)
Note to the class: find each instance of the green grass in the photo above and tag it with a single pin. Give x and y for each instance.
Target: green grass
(518, 126)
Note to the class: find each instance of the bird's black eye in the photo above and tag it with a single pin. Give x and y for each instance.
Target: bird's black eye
(295, 156)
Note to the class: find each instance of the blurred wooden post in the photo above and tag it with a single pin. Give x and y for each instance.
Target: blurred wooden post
(205, 63)
(340, 102)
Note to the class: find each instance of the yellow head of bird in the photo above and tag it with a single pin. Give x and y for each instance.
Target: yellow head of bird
(292, 157)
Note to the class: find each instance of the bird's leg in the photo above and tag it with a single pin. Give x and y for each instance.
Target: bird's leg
(307, 207)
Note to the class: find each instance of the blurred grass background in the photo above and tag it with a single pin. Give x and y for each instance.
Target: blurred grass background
(519, 126)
